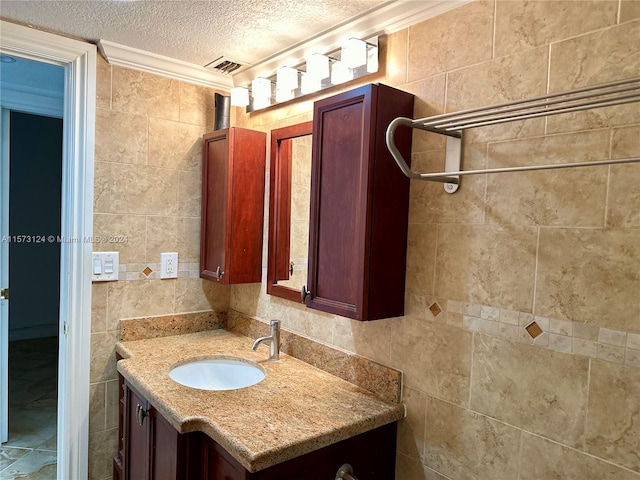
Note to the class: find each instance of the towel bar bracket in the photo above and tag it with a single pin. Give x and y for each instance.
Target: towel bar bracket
(452, 161)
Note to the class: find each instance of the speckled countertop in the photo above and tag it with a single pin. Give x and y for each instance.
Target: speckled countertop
(296, 409)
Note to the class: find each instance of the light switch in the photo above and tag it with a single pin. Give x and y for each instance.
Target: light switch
(105, 266)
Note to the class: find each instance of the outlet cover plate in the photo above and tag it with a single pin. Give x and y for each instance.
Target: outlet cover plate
(169, 265)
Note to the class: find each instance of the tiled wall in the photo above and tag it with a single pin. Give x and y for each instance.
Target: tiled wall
(561, 248)
(147, 196)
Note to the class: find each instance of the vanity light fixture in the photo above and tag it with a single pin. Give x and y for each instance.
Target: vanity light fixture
(340, 72)
(354, 53)
(354, 59)
(310, 83)
(318, 66)
(239, 96)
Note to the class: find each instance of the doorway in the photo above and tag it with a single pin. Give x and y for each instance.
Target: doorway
(35, 145)
(78, 59)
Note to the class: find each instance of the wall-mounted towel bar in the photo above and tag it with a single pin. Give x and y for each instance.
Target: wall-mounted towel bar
(452, 125)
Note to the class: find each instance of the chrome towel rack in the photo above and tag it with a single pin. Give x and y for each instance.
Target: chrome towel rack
(452, 125)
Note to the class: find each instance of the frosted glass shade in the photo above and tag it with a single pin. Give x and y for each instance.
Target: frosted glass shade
(354, 53)
(239, 97)
(318, 66)
(287, 78)
(310, 84)
(260, 88)
(340, 73)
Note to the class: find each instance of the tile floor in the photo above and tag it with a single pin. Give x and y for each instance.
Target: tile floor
(30, 452)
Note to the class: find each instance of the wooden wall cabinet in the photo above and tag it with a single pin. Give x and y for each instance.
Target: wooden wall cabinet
(359, 205)
(233, 174)
(152, 449)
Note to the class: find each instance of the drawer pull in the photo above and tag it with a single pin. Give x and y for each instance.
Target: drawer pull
(345, 472)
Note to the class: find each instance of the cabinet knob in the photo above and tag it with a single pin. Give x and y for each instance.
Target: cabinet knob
(345, 472)
(291, 264)
(219, 273)
(304, 293)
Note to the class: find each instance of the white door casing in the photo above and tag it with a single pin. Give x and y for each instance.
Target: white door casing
(4, 275)
(79, 61)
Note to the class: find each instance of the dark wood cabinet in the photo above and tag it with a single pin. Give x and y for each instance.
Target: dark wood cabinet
(359, 205)
(151, 449)
(233, 173)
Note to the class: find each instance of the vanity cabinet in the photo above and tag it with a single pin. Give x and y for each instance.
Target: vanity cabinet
(151, 449)
(233, 174)
(359, 205)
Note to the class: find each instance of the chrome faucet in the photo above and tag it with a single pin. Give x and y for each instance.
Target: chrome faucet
(274, 339)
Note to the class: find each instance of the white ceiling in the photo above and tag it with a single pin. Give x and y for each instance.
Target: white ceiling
(197, 32)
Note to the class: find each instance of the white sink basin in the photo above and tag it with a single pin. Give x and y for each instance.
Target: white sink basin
(217, 374)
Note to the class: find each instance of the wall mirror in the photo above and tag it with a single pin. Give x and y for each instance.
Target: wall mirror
(289, 199)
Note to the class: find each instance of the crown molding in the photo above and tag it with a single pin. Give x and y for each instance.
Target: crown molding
(387, 18)
(128, 57)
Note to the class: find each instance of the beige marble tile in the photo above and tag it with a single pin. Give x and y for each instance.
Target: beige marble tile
(99, 307)
(421, 250)
(189, 193)
(569, 197)
(429, 203)
(140, 299)
(102, 187)
(614, 407)
(136, 189)
(103, 357)
(590, 276)
(175, 145)
(369, 339)
(629, 10)
(487, 265)
(522, 24)
(543, 459)
(539, 390)
(35, 465)
(188, 239)
(197, 105)
(320, 327)
(10, 455)
(624, 180)
(103, 446)
(411, 429)
(434, 45)
(409, 469)
(598, 57)
(97, 407)
(194, 294)
(110, 227)
(395, 47)
(161, 236)
(429, 101)
(112, 403)
(435, 358)
(142, 93)
(121, 137)
(103, 83)
(513, 77)
(465, 445)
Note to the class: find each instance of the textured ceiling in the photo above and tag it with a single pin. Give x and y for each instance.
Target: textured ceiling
(197, 32)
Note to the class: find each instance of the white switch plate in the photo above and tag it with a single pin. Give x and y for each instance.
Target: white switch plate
(105, 266)
(169, 265)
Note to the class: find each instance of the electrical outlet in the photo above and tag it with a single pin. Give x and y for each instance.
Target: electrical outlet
(169, 265)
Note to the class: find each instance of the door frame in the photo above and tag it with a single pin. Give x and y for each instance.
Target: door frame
(79, 61)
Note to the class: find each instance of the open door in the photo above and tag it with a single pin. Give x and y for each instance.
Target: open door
(4, 276)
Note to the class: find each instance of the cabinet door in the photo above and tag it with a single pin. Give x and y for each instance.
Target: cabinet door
(340, 175)
(165, 449)
(215, 190)
(136, 437)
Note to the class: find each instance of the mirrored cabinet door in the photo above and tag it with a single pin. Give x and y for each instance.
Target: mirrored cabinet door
(290, 186)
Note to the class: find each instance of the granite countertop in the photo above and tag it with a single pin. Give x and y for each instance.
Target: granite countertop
(296, 409)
